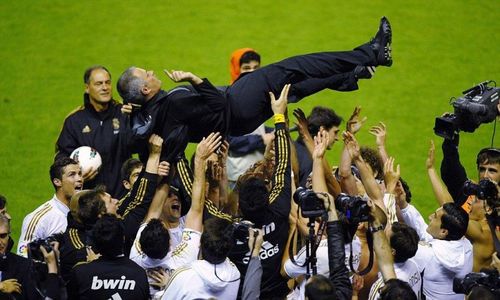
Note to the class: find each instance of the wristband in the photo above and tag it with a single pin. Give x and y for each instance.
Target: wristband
(375, 229)
(279, 118)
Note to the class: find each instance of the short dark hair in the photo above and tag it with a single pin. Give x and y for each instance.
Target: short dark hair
(455, 220)
(404, 240)
(406, 188)
(91, 206)
(155, 239)
(249, 56)
(108, 236)
(320, 288)
(253, 199)
(3, 201)
(488, 155)
(372, 157)
(88, 72)
(216, 240)
(397, 289)
(129, 87)
(128, 166)
(56, 169)
(322, 116)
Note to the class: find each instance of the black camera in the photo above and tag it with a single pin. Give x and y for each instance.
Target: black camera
(487, 278)
(477, 105)
(484, 190)
(310, 204)
(240, 230)
(34, 251)
(354, 208)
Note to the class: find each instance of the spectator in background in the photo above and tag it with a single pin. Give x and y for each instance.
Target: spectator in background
(100, 124)
(50, 217)
(247, 149)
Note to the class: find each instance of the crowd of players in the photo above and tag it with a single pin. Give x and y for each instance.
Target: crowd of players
(224, 225)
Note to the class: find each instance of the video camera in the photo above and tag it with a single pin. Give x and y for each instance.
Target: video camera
(477, 105)
(486, 278)
(309, 202)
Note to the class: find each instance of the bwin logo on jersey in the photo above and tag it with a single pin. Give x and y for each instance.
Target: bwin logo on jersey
(112, 284)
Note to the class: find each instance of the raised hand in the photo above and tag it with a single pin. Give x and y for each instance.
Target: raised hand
(279, 105)
(391, 176)
(380, 132)
(351, 145)
(354, 124)
(208, 145)
(180, 76)
(155, 144)
(321, 141)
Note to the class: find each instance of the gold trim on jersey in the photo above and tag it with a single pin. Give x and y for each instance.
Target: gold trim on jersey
(279, 176)
(141, 190)
(30, 229)
(75, 239)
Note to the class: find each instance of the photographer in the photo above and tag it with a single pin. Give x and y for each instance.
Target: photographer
(16, 271)
(478, 230)
(339, 285)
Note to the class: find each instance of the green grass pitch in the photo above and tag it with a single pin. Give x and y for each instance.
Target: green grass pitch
(440, 48)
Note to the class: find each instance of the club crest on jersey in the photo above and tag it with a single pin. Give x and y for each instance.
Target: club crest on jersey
(116, 125)
(86, 129)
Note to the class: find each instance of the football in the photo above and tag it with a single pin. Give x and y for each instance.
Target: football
(87, 157)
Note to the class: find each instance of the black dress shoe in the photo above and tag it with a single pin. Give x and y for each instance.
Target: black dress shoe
(363, 72)
(381, 43)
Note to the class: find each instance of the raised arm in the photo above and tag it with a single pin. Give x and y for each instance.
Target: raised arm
(318, 174)
(380, 132)
(205, 148)
(440, 191)
(371, 186)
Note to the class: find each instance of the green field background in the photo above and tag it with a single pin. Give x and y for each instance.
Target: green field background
(440, 48)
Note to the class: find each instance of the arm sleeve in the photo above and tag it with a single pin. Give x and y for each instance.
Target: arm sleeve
(251, 285)
(280, 196)
(339, 274)
(241, 145)
(413, 218)
(211, 95)
(139, 200)
(452, 171)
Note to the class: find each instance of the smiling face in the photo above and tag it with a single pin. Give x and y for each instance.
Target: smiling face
(172, 208)
(99, 87)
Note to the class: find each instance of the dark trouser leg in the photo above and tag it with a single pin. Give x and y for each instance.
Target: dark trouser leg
(249, 98)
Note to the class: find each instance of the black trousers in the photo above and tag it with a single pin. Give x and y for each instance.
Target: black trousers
(248, 97)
